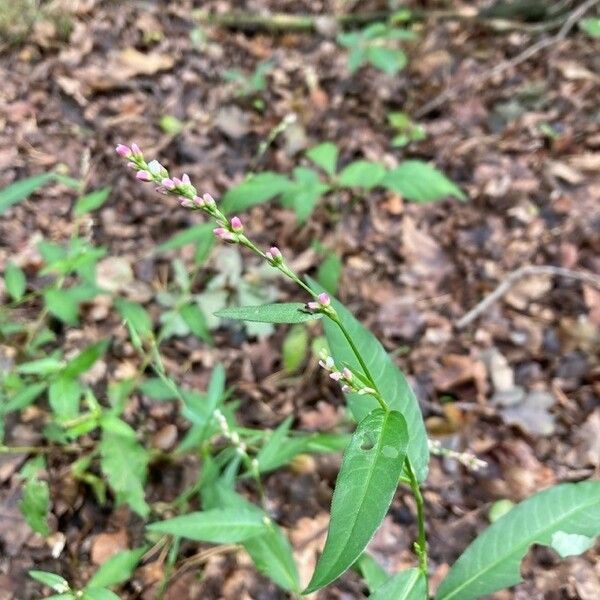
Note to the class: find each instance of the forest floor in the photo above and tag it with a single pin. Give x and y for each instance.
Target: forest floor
(518, 385)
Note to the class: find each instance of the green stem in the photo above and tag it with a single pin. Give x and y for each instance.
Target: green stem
(421, 543)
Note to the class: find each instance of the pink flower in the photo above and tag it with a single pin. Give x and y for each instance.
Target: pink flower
(236, 225)
(136, 150)
(346, 389)
(223, 234)
(347, 374)
(336, 375)
(199, 201)
(123, 150)
(185, 179)
(168, 184)
(187, 202)
(144, 176)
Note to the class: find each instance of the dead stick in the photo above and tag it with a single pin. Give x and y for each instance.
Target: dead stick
(282, 22)
(569, 22)
(515, 276)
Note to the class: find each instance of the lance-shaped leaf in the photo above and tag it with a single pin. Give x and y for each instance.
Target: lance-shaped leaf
(406, 585)
(391, 382)
(219, 526)
(492, 561)
(292, 312)
(363, 492)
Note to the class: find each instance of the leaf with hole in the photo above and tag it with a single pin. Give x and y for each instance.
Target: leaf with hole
(391, 382)
(492, 561)
(364, 489)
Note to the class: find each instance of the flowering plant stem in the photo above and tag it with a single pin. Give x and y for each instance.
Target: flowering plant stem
(232, 231)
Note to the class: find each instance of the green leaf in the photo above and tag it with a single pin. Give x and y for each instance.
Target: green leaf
(325, 156)
(273, 557)
(15, 281)
(304, 193)
(218, 525)
(35, 504)
(406, 585)
(356, 58)
(388, 60)
(156, 389)
(63, 395)
(23, 398)
(117, 569)
(499, 509)
(52, 580)
(372, 572)
(590, 26)
(62, 305)
(171, 125)
(362, 174)
(418, 181)
(85, 359)
(20, 190)
(194, 318)
(191, 235)
(124, 463)
(329, 273)
(96, 593)
(364, 489)
(295, 348)
(254, 190)
(492, 561)
(136, 315)
(271, 551)
(41, 366)
(292, 312)
(389, 379)
(91, 201)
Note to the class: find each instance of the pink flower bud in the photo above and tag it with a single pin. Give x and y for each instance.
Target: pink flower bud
(223, 234)
(144, 176)
(208, 200)
(313, 305)
(186, 202)
(236, 224)
(347, 374)
(199, 201)
(274, 254)
(336, 375)
(155, 167)
(185, 179)
(324, 299)
(168, 184)
(177, 181)
(346, 389)
(123, 150)
(136, 150)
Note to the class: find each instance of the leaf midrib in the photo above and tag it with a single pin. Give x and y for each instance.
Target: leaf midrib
(527, 544)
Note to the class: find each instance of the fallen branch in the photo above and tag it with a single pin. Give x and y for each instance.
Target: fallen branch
(570, 20)
(515, 276)
(282, 22)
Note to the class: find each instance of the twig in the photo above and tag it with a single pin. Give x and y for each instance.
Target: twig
(283, 22)
(570, 21)
(514, 277)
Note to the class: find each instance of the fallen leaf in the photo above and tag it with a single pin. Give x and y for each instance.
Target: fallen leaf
(104, 545)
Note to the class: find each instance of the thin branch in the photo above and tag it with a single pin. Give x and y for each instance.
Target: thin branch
(570, 22)
(515, 276)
